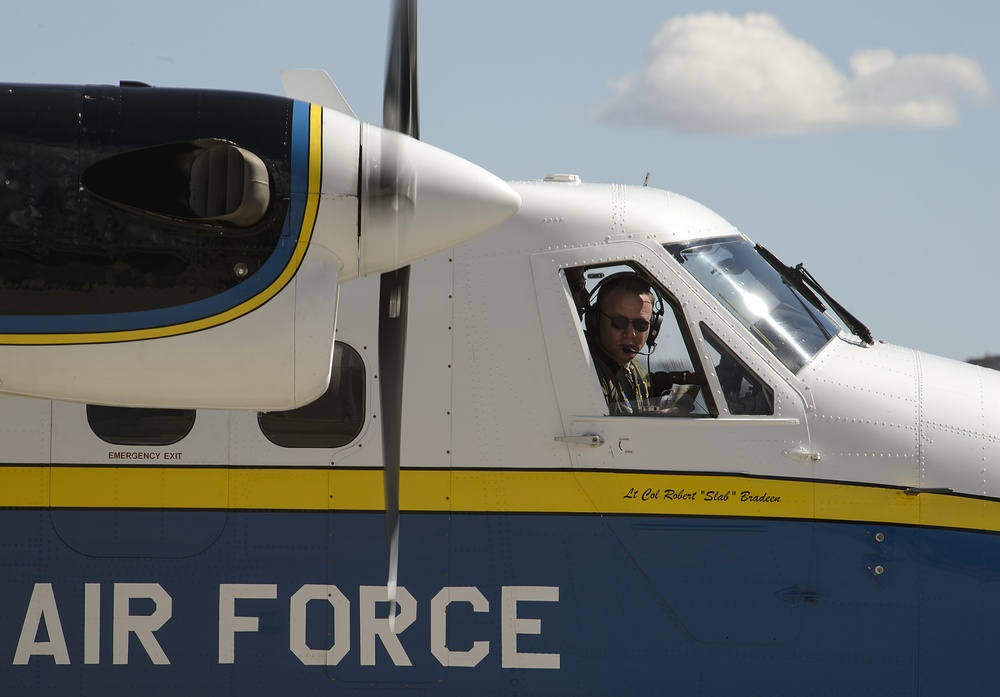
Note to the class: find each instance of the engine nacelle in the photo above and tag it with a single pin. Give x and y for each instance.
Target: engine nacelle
(182, 248)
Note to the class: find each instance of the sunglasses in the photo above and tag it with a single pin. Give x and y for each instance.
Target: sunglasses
(619, 322)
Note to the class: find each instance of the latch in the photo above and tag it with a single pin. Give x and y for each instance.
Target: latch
(801, 454)
(591, 440)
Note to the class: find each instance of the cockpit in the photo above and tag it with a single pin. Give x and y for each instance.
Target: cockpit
(704, 371)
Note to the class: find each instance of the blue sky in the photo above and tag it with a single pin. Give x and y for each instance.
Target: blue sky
(859, 137)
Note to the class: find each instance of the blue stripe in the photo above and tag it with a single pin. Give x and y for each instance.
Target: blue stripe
(691, 606)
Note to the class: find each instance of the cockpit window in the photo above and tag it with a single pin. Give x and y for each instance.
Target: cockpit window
(645, 367)
(745, 393)
(772, 310)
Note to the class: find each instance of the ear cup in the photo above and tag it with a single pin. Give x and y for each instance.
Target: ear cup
(591, 319)
(655, 322)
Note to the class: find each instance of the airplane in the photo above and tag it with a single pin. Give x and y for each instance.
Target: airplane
(295, 404)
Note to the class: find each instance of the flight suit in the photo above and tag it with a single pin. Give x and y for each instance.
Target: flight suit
(628, 389)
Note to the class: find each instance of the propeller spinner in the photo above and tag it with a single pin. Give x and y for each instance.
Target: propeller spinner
(415, 200)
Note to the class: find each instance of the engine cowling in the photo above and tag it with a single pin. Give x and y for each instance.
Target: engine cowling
(183, 248)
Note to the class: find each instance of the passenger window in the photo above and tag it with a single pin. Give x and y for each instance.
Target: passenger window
(333, 420)
(139, 426)
(662, 379)
(744, 392)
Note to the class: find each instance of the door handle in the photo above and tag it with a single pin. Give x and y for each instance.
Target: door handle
(591, 440)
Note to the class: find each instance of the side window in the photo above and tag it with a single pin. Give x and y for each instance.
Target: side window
(140, 426)
(333, 420)
(744, 392)
(688, 394)
(663, 378)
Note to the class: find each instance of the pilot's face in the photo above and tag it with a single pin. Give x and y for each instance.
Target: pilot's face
(631, 306)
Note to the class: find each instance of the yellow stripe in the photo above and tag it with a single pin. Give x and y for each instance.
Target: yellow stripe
(298, 254)
(479, 491)
(24, 487)
(293, 489)
(135, 487)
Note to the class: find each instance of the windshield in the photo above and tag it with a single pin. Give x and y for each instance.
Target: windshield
(731, 269)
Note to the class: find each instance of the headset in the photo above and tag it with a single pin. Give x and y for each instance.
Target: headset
(591, 316)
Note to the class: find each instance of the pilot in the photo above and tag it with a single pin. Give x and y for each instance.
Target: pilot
(618, 326)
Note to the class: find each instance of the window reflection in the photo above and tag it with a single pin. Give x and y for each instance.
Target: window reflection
(774, 312)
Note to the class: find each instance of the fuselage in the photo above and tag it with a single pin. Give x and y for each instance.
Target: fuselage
(825, 519)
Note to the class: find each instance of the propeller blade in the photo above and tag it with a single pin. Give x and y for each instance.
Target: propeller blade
(399, 103)
(391, 354)
(399, 113)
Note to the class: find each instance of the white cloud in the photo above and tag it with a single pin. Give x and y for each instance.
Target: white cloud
(724, 74)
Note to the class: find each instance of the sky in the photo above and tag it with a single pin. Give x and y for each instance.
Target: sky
(859, 136)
